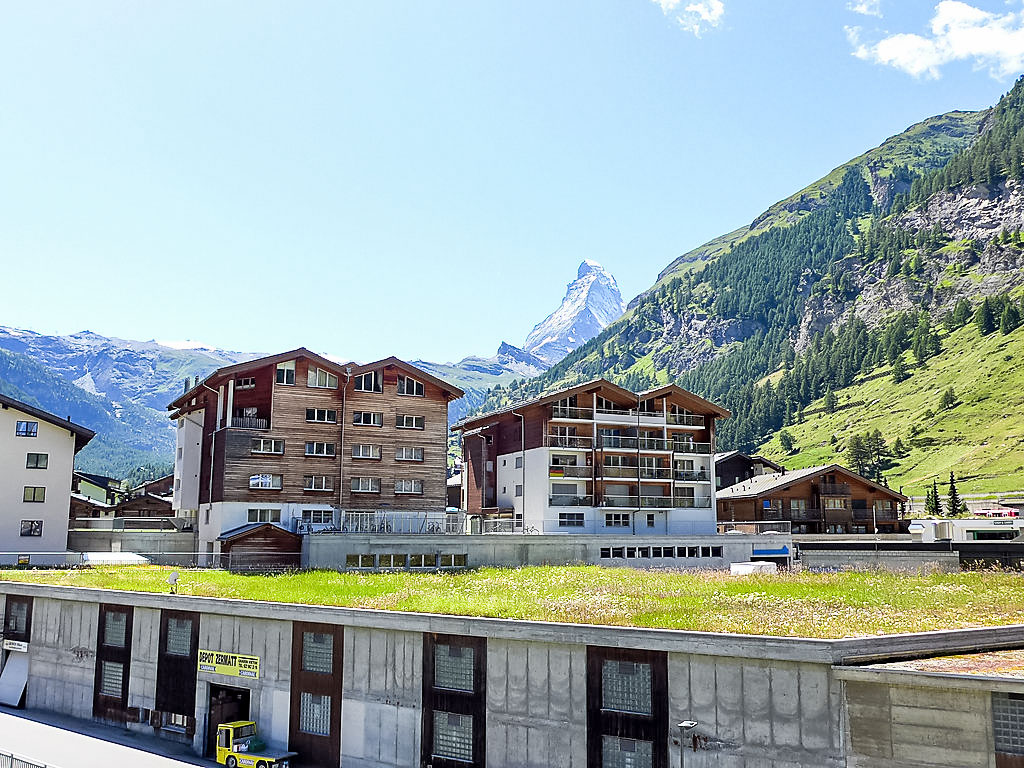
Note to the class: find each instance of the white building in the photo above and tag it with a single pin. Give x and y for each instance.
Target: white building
(37, 456)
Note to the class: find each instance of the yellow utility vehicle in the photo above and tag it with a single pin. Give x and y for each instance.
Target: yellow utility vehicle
(239, 744)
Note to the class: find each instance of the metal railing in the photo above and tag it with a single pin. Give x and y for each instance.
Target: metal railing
(695, 502)
(426, 522)
(655, 473)
(686, 419)
(249, 422)
(570, 500)
(570, 470)
(8, 760)
(684, 446)
(165, 523)
(693, 475)
(629, 412)
(569, 441)
(634, 443)
(755, 527)
(834, 489)
(619, 471)
(571, 412)
(657, 502)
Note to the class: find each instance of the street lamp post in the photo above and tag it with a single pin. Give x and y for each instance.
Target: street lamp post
(684, 728)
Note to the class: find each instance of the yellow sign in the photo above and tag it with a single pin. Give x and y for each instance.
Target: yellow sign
(233, 664)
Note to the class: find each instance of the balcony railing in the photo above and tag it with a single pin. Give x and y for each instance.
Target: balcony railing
(686, 419)
(567, 500)
(569, 412)
(655, 473)
(834, 489)
(634, 443)
(693, 475)
(570, 441)
(570, 470)
(249, 422)
(683, 446)
(796, 515)
(695, 502)
(877, 514)
(657, 502)
(627, 472)
(628, 412)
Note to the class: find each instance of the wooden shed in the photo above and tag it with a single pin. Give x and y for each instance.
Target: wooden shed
(260, 547)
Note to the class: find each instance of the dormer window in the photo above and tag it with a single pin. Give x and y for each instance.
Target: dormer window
(409, 386)
(286, 372)
(321, 379)
(368, 382)
(249, 382)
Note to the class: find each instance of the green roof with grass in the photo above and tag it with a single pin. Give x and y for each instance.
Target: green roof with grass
(834, 605)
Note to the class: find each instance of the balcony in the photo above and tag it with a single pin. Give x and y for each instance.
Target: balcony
(568, 412)
(570, 441)
(627, 472)
(617, 442)
(249, 422)
(686, 419)
(570, 470)
(794, 515)
(570, 500)
(684, 446)
(657, 502)
(834, 489)
(692, 502)
(655, 473)
(693, 475)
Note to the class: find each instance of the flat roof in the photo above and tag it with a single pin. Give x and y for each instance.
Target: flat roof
(1009, 664)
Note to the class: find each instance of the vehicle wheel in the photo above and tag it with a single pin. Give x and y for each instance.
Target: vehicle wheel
(261, 764)
(231, 762)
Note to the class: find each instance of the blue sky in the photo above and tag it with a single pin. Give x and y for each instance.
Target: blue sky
(422, 178)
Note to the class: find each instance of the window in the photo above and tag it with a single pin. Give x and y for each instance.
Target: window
(408, 421)
(34, 493)
(359, 561)
(834, 503)
(264, 515)
(321, 379)
(689, 551)
(618, 752)
(453, 561)
(368, 382)
(616, 520)
(177, 483)
(173, 722)
(368, 418)
(1008, 723)
(111, 678)
(180, 453)
(273, 482)
(391, 561)
(318, 516)
(453, 736)
(266, 445)
(16, 623)
(179, 636)
(519, 462)
(319, 449)
(570, 519)
(650, 520)
(323, 415)
(453, 667)
(366, 451)
(408, 486)
(31, 527)
(797, 505)
(318, 652)
(315, 713)
(318, 483)
(26, 429)
(36, 461)
(626, 687)
(422, 561)
(247, 382)
(115, 629)
(286, 372)
(627, 707)
(409, 386)
(366, 485)
(454, 697)
(408, 453)
(519, 491)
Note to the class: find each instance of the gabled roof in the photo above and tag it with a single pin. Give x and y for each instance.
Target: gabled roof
(249, 528)
(755, 458)
(586, 386)
(82, 434)
(699, 402)
(341, 369)
(100, 481)
(759, 485)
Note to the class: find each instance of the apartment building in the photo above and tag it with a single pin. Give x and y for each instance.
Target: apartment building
(295, 439)
(37, 457)
(595, 458)
(822, 499)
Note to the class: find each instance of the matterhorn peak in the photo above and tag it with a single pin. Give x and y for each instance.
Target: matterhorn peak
(592, 302)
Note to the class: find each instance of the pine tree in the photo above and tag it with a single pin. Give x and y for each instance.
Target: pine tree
(931, 501)
(899, 370)
(961, 314)
(948, 399)
(786, 441)
(984, 317)
(831, 401)
(953, 502)
(857, 454)
(1010, 319)
(898, 449)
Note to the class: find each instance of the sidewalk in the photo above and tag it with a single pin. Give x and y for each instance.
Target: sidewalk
(64, 742)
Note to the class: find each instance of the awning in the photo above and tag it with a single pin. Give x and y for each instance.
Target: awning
(14, 678)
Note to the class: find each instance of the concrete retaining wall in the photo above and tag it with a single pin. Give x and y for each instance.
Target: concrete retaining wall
(162, 547)
(902, 560)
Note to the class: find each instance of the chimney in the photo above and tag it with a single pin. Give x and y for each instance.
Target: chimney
(187, 385)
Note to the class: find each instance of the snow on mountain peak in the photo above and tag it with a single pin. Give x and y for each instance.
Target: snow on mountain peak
(592, 301)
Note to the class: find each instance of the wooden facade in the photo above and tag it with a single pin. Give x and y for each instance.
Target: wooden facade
(827, 499)
(244, 404)
(263, 546)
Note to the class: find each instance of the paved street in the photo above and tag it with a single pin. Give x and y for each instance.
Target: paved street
(68, 743)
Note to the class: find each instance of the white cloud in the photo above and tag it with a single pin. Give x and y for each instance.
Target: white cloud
(697, 16)
(957, 32)
(867, 7)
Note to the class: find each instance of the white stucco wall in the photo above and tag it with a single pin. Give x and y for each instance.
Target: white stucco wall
(187, 461)
(59, 446)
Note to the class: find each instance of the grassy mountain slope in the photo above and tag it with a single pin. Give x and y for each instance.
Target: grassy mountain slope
(921, 148)
(981, 438)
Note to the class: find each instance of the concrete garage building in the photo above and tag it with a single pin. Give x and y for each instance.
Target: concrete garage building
(378, 689)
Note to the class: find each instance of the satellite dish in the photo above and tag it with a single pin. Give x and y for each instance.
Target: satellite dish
(173, 581)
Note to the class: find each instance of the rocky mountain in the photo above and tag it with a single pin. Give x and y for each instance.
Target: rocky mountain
(117, 387)
(856, 276)
(592, 302)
